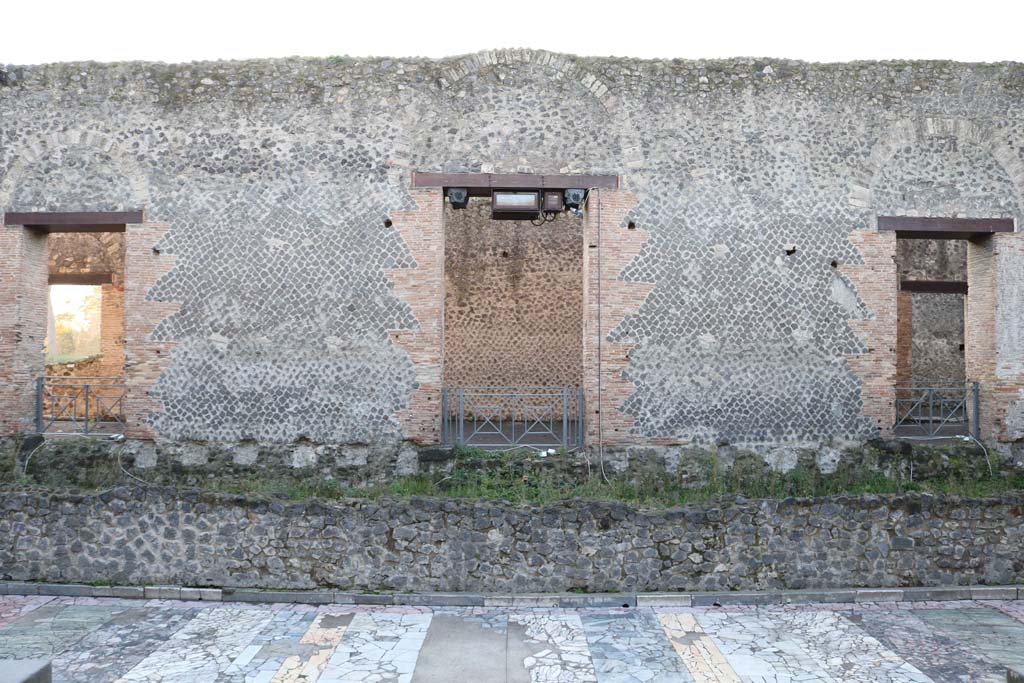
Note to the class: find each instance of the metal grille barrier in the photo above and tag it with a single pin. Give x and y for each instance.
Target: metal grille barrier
(938, 410)
(80, 405)
(503, 418)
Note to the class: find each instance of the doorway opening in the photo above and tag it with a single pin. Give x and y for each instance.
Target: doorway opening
(938, 354)
(74, 326)
(82, 388)
(513, 327)
(933, 396)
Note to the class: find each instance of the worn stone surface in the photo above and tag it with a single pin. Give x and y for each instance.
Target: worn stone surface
(754, 180)
(185, 642)
(161, 536)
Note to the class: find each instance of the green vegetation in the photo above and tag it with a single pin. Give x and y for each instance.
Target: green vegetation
(525, 477)
(546, 486)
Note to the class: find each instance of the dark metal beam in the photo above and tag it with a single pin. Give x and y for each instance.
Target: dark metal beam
(76, 221)
(514, 181)
(934, 286)
(951, 228)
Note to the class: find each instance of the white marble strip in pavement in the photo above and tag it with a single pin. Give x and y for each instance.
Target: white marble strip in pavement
(698, 651)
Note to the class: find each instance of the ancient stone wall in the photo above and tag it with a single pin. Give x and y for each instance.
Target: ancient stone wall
(513, 311)
(162, 536)
(286, 311)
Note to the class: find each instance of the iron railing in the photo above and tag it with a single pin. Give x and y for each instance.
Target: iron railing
(80, 405)
(503, 418)
(939, 410)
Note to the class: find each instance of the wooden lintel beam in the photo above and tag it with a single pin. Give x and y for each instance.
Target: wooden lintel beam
(74, 220)
(948, 226)
(81, 278)
(934, 286)
(514, 181)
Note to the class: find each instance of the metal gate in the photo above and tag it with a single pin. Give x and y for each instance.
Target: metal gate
(501, 418)
(937, 411)
(80, 405)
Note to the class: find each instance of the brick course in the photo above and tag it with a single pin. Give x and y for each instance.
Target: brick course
(422, 288)
(877, 285)
(145, 359)
(23, 300)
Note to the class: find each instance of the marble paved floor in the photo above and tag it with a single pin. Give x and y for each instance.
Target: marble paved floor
(105, 640)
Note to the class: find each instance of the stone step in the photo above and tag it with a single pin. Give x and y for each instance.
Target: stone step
(26, 671)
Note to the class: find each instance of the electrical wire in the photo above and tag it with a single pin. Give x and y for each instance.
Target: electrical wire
(960, 437)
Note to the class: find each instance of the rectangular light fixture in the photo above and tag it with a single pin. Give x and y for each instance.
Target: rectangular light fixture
(515, 202)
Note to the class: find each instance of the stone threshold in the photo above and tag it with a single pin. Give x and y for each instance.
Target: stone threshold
(538, 600)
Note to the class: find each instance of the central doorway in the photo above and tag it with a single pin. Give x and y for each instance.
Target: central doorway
(513, 327)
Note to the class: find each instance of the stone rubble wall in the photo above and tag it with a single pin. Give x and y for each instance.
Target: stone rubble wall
(163, 536)
(513, 300)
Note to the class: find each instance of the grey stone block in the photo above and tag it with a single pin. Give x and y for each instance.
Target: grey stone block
(210, 594)
(295, 597)
(937, 594)
(521, 600)
(130, 592)
(27, 671)
(993, 593)
(73, 590)
(664, 600)
(19, 588)
(373, 599)
(597, 600)
(342, 598)
(440, 599)
(817, 596)
(314, 597)
(163, 592)
(102, 591)
(189, 593)
(734, 598)
(879, 595)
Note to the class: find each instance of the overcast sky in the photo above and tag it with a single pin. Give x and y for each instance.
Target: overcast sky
(827, 30)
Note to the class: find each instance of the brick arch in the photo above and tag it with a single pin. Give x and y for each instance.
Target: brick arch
(913, 131)
(42, 146)
(565, 66)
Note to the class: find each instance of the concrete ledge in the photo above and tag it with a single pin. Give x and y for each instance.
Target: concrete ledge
(66, 589)
(27, 671)
(567, 600)
(440, 599)
(937, 594)
(523, 600)
(258, 595)
(994, 592)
